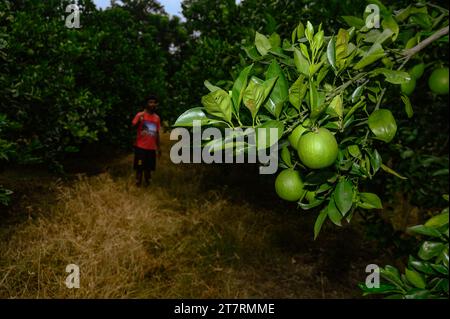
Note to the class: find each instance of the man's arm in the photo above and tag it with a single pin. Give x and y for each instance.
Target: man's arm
(139, 117)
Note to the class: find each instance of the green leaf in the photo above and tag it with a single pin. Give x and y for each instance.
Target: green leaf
(392, 275)
(438, 220)
(403, 14)
(318, 40)
(354, 151)
(356, 95)
(352, 21)
(252, 53)
(333, 213)
(286, 156)
(304, 51)
(336, 108)
(423, 230)
(319, 222)
(369, 201)
(390, 23)
(389, 170)
(262, 44)
(297, 92)
(440, 269)
(187, 118)
(218, 103)
(331, 53)
(343, 196)
(375, 161)
(300, 31)
(408, 107)
(239, 86)
(393, 76)
(421, 19)
(422, 266)
(309, 32)
(313, 96)
(275, 40)
(280, 91)
(430, 249)
(382, 124)
(256, 93)
(210, 86)
(375, 53)
(301, 63)
(415, 278)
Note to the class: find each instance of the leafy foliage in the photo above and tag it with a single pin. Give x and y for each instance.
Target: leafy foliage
(426, 275)
(334, 81)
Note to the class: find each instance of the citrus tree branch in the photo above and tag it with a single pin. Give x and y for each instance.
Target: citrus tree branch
(420, 46)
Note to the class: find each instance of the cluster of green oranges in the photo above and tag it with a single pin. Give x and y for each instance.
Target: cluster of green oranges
(316, 149)
(437, 82)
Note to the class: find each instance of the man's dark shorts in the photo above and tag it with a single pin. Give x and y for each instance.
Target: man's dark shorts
(144, 159)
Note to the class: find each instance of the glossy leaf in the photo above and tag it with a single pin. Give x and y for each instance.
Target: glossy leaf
(408, 107)
(438, 220)
(331, 53)
(333, 213)
(336, 108)
(369, 201)
(262, 44)
(430, 250)
(218, 103)
(297, 92)
(393, 76)
(343, 196)
(389, 170)
(415, 278)
(319, 222)
(382, 124)
(239, 87)
(280, 91)
(301, 63)
(195, 114)
(375, 53)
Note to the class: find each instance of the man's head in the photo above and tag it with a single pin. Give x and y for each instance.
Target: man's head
(151, 103)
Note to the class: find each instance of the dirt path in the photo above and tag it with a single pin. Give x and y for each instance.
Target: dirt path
(196, 232)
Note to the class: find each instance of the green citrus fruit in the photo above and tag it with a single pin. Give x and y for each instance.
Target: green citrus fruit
(318, 149)
(295, 135)
(438, 81)
(408, 87)
(417, 70)
(289, 185)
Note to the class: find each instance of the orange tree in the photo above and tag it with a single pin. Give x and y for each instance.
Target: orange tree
(327, 94)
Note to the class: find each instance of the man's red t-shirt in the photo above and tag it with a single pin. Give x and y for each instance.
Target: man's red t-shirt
(147, 131)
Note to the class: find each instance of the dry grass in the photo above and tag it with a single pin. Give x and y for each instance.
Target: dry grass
(177, 239)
